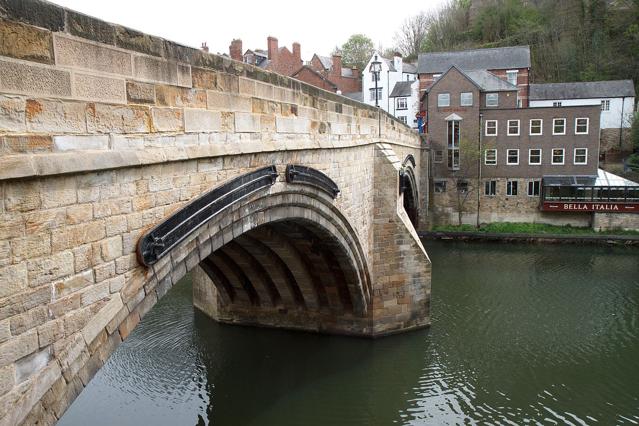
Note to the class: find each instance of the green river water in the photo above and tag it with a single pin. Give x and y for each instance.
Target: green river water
(538, 334)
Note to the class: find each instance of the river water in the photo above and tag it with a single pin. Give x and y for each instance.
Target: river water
(520, 334)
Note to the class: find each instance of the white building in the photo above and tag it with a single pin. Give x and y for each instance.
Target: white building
(393, 71)
(404, 101)
(617, 100)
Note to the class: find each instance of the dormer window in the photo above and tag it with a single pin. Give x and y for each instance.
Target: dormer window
(511, 76)
(492, 99)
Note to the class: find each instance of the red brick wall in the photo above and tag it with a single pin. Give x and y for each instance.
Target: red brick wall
(285, 62)
(310, 77)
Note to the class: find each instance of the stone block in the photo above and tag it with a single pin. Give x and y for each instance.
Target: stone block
(102, 118)
(247, 123)
(13, 279)
(168, 119)
(127, 326)
(247, 86)
(7, 378)
(116, 225)
(80, 143)
(116, 284)
(39, 13)
(59, 192)
(139, 42)
(104, 271)
(102, 89)
(292, 125)
(184, 75)
(196, 120)
(28, 320)
(111, 248)
(79, 213)
(28, 143)
(22, 196)
(82, 54)
(50, 268)
(174, 96)
(63, 306)
(34, 80)
(88, 27)
(50, 116)
(30, 365)
(203, 78)
(156, 70)
(25, 42)
(50, 332)
(31, 246)
(72, 284)
(228, 83)
(140, 93)
(18, 347)
(76, 235)
(12, 113)
(95, 293)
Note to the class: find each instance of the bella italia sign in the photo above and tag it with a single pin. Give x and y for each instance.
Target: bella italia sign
(590, 207)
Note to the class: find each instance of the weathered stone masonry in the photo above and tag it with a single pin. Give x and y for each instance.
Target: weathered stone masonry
(105, 131)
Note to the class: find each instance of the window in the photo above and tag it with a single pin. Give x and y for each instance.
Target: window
(536, 126)
(443, 100)
(402, 118)
(559, 126)
(520, 103)
(581, 126)
(513, 127)
(558, 156)
(490, 157)
(491, 127)
(490, 187)
(401, 103)
(581, 156)
(534, 157)
(511, 188)
(379, 94)
(533, 188)
(466, 99)
(453, 145)
(512, 157)
(462, 186)
(440, 186)
(605, 105)
(556, 104)
(511, 76)
(375, 76)
(439, 156)
(492, 99)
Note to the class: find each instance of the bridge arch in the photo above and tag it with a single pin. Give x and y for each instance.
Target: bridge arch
(409, 188)
(282, 256)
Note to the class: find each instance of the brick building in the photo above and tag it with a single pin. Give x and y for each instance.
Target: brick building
(334, 76)
(493, 161)
(277, 59)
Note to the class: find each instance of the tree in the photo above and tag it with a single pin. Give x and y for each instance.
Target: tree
(465, 177)
(411, 35)
(357, 51)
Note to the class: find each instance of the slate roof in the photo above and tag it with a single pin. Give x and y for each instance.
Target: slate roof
(489, 82)
(582, 90)
(356, 96)
(402, 88)
(409, 68)
(477, 59)
(327, 62)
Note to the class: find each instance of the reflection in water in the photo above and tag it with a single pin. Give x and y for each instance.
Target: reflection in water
(520, 333)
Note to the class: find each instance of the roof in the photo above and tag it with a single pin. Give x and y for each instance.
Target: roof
(582, 90)
(409, 68)
(356, 96)
(477, 59)
(603, 178)
(319, 75)
(402, 88)
(484, 80)
(326, 61)
(390, 64)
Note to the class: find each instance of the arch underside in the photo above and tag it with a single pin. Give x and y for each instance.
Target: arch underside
(285, 257)
(410, 191)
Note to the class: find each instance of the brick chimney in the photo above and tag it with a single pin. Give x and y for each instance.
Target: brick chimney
(355, 72)
(272, 48)
(297, 51)
(235, 49)
(337, 64)
(204, 47)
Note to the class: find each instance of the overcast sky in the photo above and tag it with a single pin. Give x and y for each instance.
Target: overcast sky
(318, 26)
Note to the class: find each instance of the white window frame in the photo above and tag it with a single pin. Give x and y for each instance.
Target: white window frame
(493, 162)
(563, 157)
(509, 188)
(540, 156)
(489, 96)
(541, 127)
(531, 185)
(574, 158)
(461, 99)
(518, 127)
(577, 132)
(508, 163)
(441, 158)
(556, 104)
(486, 127)
(490, 184)
(510, 72)
(402, 103)
(440, 96)
(554, 120)
(402, 118)
(372, 94)
(605, 105)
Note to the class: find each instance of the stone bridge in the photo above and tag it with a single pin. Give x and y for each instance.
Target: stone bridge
(128, 160)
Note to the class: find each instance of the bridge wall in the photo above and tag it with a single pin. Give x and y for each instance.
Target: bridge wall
(104, 131)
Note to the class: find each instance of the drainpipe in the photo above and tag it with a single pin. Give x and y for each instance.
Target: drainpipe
(481, 116)
(623, 103)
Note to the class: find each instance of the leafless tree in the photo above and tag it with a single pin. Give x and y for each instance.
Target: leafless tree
(411, 34)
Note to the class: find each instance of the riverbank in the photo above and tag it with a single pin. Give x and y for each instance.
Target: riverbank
(532, 233)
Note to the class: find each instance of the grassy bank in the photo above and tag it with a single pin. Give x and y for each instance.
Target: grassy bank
(529, 228)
